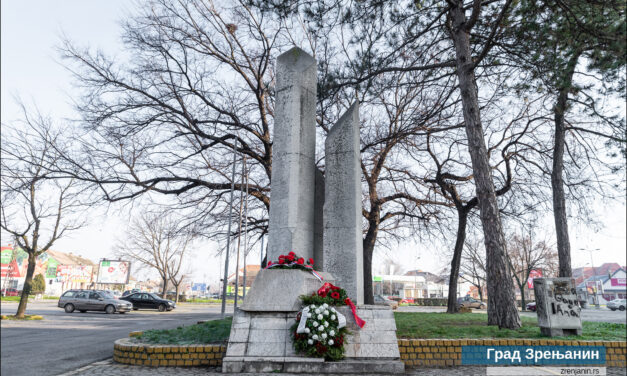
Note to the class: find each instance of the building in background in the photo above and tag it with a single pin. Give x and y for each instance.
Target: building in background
(251, 274)
(62, 271)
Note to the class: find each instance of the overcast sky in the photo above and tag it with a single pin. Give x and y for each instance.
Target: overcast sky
(31, 69)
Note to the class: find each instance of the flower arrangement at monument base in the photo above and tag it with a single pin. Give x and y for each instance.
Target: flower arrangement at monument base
(334, 296)
(319, 332)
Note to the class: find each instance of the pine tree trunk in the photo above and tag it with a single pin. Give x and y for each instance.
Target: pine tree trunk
(369, 242)
(502, 309)
(557, 178)
(28, 285)
(462, 219)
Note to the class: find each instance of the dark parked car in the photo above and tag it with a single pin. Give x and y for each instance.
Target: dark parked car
(531, 306)
(129, 292)
(92, 300)
(148, 300)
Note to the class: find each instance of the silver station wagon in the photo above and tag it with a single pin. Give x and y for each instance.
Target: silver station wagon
(92, 300)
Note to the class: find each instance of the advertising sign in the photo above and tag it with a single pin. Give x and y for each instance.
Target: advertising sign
(618, 282)
(594, 287)
(199, 287)
(74, 273)
(535, 273)
(114, 271)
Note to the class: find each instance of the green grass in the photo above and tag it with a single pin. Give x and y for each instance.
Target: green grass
(26, 317)
(475, 325)
(214, 331)
(30, 298)
(228, 301)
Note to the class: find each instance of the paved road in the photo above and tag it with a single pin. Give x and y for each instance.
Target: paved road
(63, 342)
(588, 314)
(109, 368)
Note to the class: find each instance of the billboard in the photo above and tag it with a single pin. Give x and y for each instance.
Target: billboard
(534, 273)
(618, 282)
(199, 287)
(74, 273)
(114, 271)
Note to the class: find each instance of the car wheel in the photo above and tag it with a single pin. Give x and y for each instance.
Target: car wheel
(121, 313)
(135, 309)
(613, 309)
(69, 308)
(109, 309)
(162, 307)
(622, 308)
(82, 311)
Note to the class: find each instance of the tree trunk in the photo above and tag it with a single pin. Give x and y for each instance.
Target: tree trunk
(176, 299)
(462, 218)
(502, 309)
(557, 179)
(369, 242)
(164, 290)
(28, 285)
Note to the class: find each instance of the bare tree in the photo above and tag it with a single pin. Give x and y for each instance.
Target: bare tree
(35, 211)
(473, 266)
(157, 242)
(525, 253)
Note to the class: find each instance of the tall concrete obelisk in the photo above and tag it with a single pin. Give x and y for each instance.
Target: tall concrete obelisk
(343, 247)
(293, 156)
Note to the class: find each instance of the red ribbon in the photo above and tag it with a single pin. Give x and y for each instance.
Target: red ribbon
(358, 319)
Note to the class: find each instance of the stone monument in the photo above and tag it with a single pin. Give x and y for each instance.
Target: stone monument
(314, 216)
(559, 313)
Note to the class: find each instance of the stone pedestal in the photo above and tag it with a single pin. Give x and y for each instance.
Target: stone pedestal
(278, 290)
(557, 306)
(261, 342)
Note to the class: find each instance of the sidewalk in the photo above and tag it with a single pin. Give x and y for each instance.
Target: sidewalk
(110, 368)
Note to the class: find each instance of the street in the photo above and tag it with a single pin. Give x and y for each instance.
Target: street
(589, 314)
(63, 342)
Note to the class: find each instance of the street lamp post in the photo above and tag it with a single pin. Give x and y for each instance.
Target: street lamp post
(594, 274)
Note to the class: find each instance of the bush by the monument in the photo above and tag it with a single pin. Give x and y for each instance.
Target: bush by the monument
(321, 336)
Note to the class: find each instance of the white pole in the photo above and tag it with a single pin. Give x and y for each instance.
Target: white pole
(228, 234)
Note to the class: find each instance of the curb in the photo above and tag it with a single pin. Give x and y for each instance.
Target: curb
(127, 351)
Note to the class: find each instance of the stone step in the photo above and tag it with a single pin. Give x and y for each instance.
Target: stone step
(311, 365)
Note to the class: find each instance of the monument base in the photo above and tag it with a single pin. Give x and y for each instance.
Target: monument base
(279, 290)
(261, 342)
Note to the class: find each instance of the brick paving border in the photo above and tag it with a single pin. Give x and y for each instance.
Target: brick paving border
(418, 353)
(128, 351)
(447, 352)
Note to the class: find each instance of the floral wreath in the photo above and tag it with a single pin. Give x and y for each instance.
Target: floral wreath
(293, 261)
(319, 332)
(319, 329)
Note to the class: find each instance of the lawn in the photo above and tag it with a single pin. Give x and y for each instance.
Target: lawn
(228, 301)
(475, 325)
(213, 331)
(30, 298)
